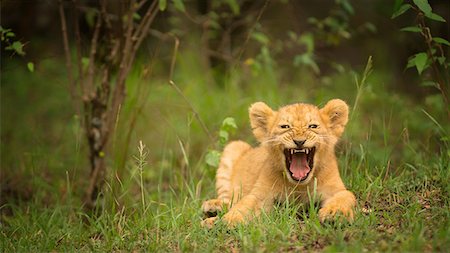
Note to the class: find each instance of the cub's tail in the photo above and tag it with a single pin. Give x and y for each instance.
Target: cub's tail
(230, 154)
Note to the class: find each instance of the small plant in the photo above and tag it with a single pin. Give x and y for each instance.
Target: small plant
(97, 77)
(361, 84)
(213, 156)
(305, 48)
(15, 46)
(7, 36)
(433, 57)
(141, 161)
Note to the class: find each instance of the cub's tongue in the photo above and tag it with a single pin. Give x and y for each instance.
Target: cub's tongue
(299, 166)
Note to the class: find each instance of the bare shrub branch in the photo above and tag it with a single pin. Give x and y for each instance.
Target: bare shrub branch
(102, 101)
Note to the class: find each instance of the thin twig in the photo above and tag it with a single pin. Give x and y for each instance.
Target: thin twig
(78, 48)
(93, 52)
(196, 114)
(172, 83)
(105, 15)
(119, 90)
(144, 20)
(426, 33)
(174, 56)
(140, 4)
(247, 39)
(114, 43)
(66, 49)
(150, 16)
(128, 42)
(219, 55)
(130, 49)
(360, 85)
(388, 166)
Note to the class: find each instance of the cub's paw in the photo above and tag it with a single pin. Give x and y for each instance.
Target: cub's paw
(330, 211)
(209, 222)
(233, 217)
(213, 206)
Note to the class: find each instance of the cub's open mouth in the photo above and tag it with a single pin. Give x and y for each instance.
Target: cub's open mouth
(299, 162)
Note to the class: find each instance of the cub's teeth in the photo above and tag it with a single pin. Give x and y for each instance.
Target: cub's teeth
(307, 151)
(292, 151)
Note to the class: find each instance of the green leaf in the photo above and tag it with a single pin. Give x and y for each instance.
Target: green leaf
(229, 123)
(260, 37)
(423, 6)
(136, 16)
(397, 5)
(441, 41)
(179, 5)
(265, 56)
(255, 66)
(441, 60)
(307, 39)
(212, 158)
(162, 5)
(313, 20)
(228, 126)
(307, 60)
(435, 17)
(90, 16)
(223, 136)
(411, 63)
(16, 46)
(347, 6)
(30, 66)
(413, 29)
(401, 10)
(213, 24)
(85, 62)
(234, 6)
(429, 84)
(3, 30)
(370, 27)
(292, 35)
(420, 61)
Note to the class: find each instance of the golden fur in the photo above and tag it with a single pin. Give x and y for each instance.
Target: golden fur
(250, 179)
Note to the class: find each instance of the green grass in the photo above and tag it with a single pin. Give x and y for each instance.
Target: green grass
(407, 212)
(396, 161)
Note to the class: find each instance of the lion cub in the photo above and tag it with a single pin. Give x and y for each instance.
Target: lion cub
(296, 146)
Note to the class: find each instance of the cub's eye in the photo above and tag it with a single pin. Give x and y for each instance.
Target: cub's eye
(313, 126)
(285, 126)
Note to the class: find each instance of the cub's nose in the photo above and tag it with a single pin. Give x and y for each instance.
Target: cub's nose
(299, 143)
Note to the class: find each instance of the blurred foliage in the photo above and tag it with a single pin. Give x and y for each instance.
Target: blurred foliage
(228, 126)
(7, 36)
(434, 56)
(10, 44)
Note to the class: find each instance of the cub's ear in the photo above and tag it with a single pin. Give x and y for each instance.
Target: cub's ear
(335, 116)
(260, 114)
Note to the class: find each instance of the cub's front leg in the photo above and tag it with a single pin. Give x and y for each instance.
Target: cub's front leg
(342, 202)
(249, 206)
(261, 197)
